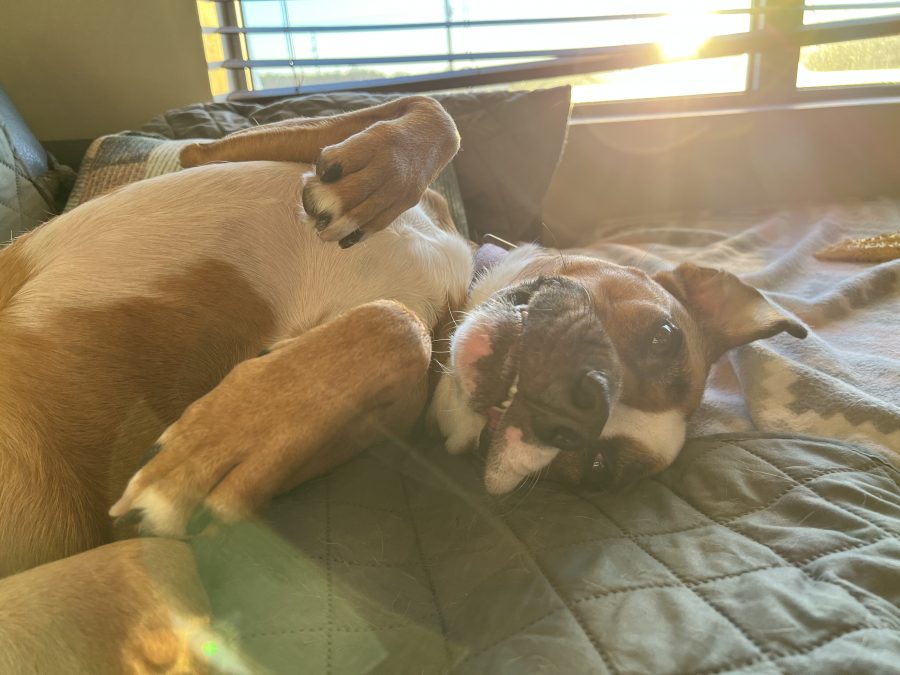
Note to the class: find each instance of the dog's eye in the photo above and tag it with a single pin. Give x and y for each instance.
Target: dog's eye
(664, 340)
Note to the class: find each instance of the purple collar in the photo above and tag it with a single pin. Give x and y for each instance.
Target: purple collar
(488, 255)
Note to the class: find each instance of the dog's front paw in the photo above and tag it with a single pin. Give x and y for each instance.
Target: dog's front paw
(218, 462)
(361, 186)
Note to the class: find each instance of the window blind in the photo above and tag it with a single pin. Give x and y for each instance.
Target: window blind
(280, 47)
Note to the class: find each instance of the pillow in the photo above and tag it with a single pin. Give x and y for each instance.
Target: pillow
(32, 185)
(116, 160)
(511, 144)
(119, 159)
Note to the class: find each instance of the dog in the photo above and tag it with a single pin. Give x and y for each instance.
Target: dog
(269, 312)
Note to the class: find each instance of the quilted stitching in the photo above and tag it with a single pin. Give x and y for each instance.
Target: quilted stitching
(426, 567)
(399, 562)
(26, 199)
(24, 204)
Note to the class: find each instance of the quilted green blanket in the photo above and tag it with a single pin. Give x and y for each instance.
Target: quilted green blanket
(752, 554)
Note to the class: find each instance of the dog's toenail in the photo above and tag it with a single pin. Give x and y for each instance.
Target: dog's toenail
(353, 238)
(332, 173)
(198, 522)
(133, 517)
(151, 453)
(323, 221)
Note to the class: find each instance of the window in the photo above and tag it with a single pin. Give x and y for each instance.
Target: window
(609, 50)
(856, 62)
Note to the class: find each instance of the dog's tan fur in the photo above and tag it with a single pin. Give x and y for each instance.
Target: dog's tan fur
(134, 606)
(139, 316)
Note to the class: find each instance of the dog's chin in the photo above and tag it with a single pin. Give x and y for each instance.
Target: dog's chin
(485, 362)
(511, 455)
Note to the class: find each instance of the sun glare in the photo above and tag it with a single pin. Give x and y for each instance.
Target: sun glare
(684, 32)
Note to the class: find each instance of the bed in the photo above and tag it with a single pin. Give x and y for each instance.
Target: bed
(771, 545)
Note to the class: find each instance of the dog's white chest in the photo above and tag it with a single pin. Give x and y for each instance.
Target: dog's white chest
(412, 261)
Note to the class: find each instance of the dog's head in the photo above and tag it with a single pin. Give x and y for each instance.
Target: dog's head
(587, 368)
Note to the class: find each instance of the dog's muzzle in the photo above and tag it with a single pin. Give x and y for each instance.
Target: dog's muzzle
(572, 412)
(568, 369)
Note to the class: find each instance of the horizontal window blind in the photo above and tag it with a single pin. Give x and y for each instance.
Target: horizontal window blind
(279, 47)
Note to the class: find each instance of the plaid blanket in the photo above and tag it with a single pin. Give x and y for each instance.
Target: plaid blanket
(843, 381)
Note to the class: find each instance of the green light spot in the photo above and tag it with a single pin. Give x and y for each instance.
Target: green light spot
(210, 648)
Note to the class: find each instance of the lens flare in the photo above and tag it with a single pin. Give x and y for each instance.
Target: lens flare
(685, 32)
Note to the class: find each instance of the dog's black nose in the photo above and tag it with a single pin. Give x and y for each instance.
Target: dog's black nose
(591, 394)
(572, 413)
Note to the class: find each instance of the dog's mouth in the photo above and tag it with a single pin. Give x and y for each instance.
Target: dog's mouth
(591, 467)
(496, 413)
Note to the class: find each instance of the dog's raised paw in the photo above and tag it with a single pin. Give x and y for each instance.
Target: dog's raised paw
(324, 206)
(361, 185)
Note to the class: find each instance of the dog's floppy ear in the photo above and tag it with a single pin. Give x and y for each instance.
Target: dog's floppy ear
(730, 313)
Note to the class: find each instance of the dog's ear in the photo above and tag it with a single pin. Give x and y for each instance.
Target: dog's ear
(729, 312)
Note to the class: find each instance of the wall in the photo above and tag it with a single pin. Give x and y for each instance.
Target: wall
(753, 158)
(81, 68)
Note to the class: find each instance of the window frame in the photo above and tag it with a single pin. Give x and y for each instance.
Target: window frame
(773, 44)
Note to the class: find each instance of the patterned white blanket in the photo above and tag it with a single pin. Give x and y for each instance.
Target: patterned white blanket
(843, 381)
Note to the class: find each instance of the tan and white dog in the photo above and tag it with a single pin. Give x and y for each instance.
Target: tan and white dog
(207, 314)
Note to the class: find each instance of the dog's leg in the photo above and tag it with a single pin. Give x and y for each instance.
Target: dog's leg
(131, 607)
(269, 423)
(371, 165)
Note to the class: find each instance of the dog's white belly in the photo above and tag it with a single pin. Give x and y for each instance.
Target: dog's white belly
(412, 261)
(246, 216)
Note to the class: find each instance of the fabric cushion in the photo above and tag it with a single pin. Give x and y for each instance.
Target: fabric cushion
(119, 159)
(751, 554)
(511, 143)
(32, 184)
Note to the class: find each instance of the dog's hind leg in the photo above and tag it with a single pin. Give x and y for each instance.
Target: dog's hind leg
(43, 516)
(134, 606)
(45, 512)
(274, 420)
